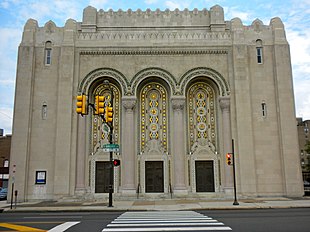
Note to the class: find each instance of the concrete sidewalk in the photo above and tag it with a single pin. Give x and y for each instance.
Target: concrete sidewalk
(168, 204)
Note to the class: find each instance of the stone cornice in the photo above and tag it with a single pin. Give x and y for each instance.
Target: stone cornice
(152, 52)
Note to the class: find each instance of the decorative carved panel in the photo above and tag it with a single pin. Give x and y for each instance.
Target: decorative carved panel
(201, 113)
(100, 130)
(154, 118)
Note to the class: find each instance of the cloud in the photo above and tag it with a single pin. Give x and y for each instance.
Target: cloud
(6, 120)
(99, 4)
(172, 5)
(9, 41)
(150, 1)
(297, 33)
(233, 12)
(8, 3)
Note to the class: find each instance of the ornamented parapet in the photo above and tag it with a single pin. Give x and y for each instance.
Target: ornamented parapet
(94, 20)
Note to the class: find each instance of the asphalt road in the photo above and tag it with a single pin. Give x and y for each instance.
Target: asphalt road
(264, 220)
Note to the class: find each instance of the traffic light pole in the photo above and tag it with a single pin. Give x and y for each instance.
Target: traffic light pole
(111, 170)
(234, 173)
(106, 82)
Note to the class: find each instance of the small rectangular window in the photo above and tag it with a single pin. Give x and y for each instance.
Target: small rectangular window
(48, 56)
(259, 54)
(264, 109)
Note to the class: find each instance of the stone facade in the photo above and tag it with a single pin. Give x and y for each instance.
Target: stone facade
(184, 83)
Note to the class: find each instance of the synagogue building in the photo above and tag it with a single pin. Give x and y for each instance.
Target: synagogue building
(186, 88)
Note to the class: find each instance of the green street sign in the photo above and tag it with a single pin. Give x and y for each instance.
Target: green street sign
(110, 147)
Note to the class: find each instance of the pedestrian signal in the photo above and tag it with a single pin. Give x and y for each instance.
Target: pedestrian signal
(116, 162)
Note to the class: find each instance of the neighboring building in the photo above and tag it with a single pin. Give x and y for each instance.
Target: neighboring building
(185, 84)
(5, 149)
(304, 138)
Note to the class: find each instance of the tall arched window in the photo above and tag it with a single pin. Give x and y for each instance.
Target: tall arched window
(259, 51)
(201, 110)
(48, 53)
(100, 131)
(154, 120)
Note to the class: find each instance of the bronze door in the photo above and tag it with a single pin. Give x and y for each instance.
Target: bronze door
(154, 176)
(204, 176)
(102, 176)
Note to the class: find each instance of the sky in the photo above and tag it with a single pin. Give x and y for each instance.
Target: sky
(295, 15)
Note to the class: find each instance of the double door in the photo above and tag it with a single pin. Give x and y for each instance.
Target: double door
(102, 180)
(154, 176)
(204, 176)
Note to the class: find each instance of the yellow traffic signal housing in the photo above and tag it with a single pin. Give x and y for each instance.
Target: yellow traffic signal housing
(229, 158)
(81, 104)
(99, 104)
(109, 114)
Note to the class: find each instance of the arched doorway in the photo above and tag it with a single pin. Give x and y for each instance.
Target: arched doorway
(203, 161)
(154, 160)
(99, 165)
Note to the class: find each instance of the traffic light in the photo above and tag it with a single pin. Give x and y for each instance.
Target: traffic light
(229, 158)
(81, 105)
(109, 114)
(99, 104)
(116, 162)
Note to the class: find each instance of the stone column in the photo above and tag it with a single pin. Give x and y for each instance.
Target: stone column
(178, 145)
(227, 142)
(128, 147)
(80, 159)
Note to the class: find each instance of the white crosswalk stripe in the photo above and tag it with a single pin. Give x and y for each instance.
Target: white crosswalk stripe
(165, 221)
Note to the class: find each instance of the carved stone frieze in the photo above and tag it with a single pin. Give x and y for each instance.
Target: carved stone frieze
(131, 52)
(154, 35)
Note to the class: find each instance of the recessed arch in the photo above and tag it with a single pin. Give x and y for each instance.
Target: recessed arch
(215, 76)
(95, 75)
(153, 72)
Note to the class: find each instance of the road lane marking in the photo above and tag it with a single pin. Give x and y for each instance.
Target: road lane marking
(62, 227)
(167, 224)
(168, 229)
(160, 221)
(164, 221)
(20, 228)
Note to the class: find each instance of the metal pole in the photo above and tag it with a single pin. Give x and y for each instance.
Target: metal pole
(111, 153)
(111, 171)
(12, 195)
(234, 173)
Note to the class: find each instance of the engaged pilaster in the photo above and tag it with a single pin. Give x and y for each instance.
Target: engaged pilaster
(179, 145)
(227, 139)
(80, 159)
(128, 148)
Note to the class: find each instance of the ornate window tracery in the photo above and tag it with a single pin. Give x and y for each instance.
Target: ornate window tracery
(154, 118)
(201, 110)
(100, 130)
